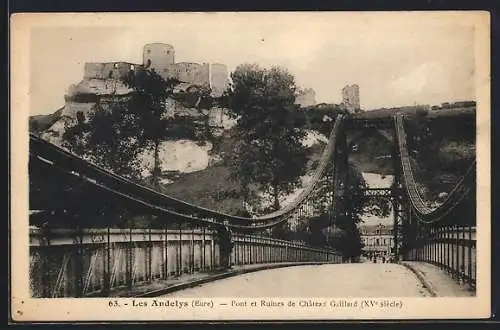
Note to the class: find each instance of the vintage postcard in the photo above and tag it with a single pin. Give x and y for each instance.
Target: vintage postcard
(250, 166)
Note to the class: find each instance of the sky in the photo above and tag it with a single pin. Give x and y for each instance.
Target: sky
(395, 58)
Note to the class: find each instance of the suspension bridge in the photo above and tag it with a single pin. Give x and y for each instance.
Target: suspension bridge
(77, 250)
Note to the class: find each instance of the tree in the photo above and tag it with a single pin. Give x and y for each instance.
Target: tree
(154, 120)
(302, 232)
(346, 241)
(269, 152)
(148, 106)
(283, 231)
(106, 138)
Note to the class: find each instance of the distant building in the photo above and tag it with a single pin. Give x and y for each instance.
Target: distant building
(306, 98)
(109, 70)
(378, 240)
(461, 104)
(464, 104)
(350, 98)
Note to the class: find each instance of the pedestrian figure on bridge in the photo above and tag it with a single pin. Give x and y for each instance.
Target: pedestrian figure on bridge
(225, 247)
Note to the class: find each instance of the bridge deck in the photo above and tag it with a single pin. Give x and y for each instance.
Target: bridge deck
(337, 280)
(340, 280)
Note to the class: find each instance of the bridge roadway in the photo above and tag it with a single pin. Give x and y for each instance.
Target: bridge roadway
(329, 280)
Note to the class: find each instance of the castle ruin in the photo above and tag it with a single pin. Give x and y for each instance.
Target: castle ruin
(161, 58)
(350, 98)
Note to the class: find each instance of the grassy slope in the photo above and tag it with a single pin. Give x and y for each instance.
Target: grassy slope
(210, 188)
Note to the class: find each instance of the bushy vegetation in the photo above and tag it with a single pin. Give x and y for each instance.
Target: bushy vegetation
(269, 151)
(442, 151)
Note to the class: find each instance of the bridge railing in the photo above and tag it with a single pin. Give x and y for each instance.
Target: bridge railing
(95, 262)
(452, 248)
(251, 249)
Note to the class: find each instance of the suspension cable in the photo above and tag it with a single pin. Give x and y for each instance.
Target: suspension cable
(456, 196)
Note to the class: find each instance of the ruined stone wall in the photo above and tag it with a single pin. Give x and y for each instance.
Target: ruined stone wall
(194, 73)
(109, 70)
(219, 79)
(161, 59)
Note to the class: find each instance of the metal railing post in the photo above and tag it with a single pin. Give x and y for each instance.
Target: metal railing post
(212, 251)
(107, 268)
(457, 252)
(251, 250)
(204, 243)
(165, 253)
(129, 260)
(180, 268)
(191, 251)
(448, 252)
(149, 277)
(462, 249)
(469, 253)
(79, 262)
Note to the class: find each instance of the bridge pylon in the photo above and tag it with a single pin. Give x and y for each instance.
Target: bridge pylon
(341, 177)
(400, 205)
